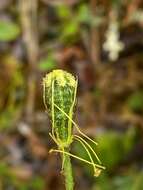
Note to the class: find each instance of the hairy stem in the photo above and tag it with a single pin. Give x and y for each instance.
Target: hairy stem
(68, 174)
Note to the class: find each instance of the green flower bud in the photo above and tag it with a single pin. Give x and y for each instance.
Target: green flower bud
(60, 97)
(60, 90)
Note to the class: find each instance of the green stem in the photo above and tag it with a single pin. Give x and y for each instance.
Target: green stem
(68, 174)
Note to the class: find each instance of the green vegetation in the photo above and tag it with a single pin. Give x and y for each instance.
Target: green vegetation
(8, 31)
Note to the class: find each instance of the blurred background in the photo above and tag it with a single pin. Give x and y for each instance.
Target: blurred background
(99, 41)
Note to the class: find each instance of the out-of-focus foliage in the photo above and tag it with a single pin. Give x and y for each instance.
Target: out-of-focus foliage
(8, 30)
(47, 63)
(8, 174)
(118, 144)
(112, 142)
(135, 102)
(130, 180)
(12, 90)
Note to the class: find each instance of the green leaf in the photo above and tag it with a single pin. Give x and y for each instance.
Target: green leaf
(8, 31)
(63, 11)
(70, 29)
(37, 183)
(135, 102)
(3, 169)
(47, 63)
(84, 14)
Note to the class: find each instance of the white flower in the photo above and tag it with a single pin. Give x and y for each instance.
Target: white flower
(112, 44)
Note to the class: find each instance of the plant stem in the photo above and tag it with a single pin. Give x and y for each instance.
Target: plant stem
(28, 13)
(95, 37)
(68, 174)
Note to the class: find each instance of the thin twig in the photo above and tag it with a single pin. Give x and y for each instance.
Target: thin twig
(28, 11)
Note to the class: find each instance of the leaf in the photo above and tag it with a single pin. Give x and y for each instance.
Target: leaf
(135, 102)
(83, 14)
(37, 183)
(70, 29)
(47, 63)
(63, 11)
(8, 31)
(3, 169)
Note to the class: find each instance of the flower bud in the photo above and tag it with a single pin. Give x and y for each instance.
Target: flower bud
(60, 91)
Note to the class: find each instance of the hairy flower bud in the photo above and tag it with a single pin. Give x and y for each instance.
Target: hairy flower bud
(60, 91)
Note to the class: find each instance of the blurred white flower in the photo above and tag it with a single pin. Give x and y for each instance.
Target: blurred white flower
(24, 129)
(112, 44)
(137, 16)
